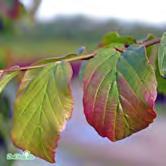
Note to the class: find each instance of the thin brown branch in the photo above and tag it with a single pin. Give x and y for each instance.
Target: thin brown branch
(151, 42)
(119, 50)
(24, 68)
(82, 57)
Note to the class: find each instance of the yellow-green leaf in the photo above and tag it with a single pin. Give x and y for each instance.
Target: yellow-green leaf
(55, 59)
(114, 37)
(5, 78)
(43, 105)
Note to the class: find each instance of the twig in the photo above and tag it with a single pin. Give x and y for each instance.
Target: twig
(119, 50)
(24, 68)
(82, 57)
(151, 42)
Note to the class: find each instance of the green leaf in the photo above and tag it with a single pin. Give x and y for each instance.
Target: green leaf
(119, 92)
(56, 59)
(152, 52)
(114, 37)
(162, 56)
(5, 78)
(161, 82)
(43, 105)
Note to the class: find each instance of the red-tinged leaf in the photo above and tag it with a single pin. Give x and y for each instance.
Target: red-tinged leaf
(119, 92)
(43, 106)
(11, 8)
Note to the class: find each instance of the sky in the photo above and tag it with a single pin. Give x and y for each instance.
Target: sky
(150, 11)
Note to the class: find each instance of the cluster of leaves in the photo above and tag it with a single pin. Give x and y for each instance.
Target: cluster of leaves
(119, 85)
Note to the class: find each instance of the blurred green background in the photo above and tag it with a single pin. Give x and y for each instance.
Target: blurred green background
(23, 39)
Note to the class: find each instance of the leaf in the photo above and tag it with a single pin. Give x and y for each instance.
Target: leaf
(5, 78)
(161, 82)
(114, 37)
(43, 105)
(56, 59)
(152, 52)
(153, 60)
(162, 56)
(119, 92)
(12, 9)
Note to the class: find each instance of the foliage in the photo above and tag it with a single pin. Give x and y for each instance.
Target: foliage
(114, 37)
(162, 56)
(119, 85)
(117, 92)
(5, 126)
(5, 78)
(43, 105)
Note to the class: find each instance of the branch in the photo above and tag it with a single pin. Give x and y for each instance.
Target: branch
(24, 68)
(82, 57)
(119, 50)
(151, 42)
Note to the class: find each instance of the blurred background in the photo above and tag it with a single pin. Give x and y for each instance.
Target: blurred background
(33, 29)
